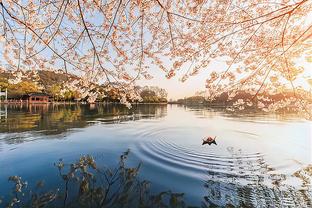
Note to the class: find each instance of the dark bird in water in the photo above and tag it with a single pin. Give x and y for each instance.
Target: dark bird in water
(209, 140)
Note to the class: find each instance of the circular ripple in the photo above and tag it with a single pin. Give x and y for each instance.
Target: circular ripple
(199, 163)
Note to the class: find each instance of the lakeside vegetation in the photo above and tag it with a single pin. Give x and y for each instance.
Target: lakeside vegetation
(54, 84)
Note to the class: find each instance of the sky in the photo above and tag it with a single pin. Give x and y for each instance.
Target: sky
(177, 89)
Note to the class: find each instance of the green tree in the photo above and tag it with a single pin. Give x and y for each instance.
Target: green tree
(21, 88)
(3, 83)
(54, 91)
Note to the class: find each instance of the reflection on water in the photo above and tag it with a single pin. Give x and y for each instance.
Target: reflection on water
(259, 161)
(249, 115)
(56, 119)
(248, 181)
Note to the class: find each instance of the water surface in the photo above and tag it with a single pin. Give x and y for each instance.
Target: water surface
(253, 163)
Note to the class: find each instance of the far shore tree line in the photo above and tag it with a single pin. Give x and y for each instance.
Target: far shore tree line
(237, 99)
(55, 85)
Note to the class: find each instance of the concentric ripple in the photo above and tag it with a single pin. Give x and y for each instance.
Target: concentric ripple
(193, 163)
(233, 177)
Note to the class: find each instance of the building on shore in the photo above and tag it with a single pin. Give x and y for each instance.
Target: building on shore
(36, 98)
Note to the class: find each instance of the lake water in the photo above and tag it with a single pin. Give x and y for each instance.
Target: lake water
(253, 162)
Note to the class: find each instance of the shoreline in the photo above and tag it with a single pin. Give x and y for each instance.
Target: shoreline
(82, 103)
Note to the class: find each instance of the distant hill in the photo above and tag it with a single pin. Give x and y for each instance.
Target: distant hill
(223, 99)
(50, 78)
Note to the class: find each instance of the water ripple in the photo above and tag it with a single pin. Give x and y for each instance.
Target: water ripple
(189, 162)
(231, 177)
